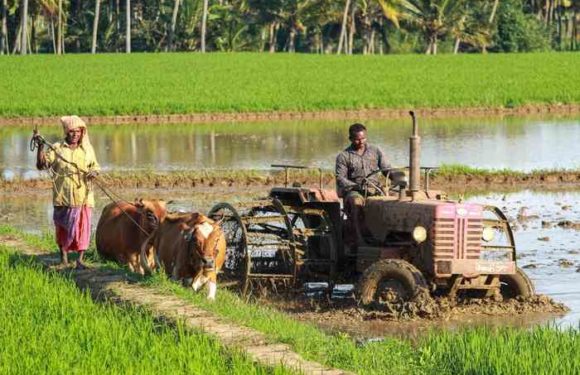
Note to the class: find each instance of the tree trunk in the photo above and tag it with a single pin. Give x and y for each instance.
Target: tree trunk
(383, 36)
(292, 40)
(432, 47)
(32, 36)
(128, 26)
(273, 33)
(172, 28)
(204, 24)
(96, 25)
(59, 37)
(24, 35)
(351, 29)
(456, 47)
(574, 39)
(366, 33)
(262, 46)
(16, 44)
(118, 14)
(493, 11)
(4, 47)
(53, 35)
(342, 38)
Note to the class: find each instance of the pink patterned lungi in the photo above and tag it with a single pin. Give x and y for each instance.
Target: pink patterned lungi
(73, 227)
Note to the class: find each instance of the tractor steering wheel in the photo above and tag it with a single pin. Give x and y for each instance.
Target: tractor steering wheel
(369, 185)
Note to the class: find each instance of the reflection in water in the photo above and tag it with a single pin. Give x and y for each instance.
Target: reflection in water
(515, 143)
(541, 244)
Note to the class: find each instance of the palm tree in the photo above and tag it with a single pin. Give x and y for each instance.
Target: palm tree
(371, 10)
(434, 18)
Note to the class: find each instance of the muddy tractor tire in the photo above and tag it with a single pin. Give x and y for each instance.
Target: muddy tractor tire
(390, 281)
(516, 285)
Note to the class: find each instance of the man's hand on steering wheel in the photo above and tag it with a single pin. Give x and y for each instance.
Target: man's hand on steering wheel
(370, 188)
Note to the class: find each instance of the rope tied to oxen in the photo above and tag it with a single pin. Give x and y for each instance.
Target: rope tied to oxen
(35, 143)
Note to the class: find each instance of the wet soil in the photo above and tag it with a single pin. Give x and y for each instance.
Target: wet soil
(413, 319)
(355, 114)
(230, 180)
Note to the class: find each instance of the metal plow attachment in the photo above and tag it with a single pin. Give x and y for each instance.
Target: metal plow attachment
(272, 247)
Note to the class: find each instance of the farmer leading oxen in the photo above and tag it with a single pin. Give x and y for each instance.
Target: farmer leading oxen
(72, 165)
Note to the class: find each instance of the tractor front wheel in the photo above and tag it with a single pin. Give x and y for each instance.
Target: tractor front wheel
(390, 281)
(518, 284)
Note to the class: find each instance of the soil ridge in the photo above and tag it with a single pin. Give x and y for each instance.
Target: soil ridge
(331, 114)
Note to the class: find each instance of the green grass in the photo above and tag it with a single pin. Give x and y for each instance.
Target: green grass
(541, 350)
(450, 170)
(116, 84)
(50, 327)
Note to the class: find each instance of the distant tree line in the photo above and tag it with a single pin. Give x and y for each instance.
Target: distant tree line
(309, 26)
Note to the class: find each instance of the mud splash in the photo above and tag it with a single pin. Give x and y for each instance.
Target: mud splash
(421, 307)
(415, 318)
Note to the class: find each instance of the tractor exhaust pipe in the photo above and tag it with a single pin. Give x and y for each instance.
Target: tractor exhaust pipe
(414, 158)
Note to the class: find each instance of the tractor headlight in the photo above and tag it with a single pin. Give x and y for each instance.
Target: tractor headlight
(419, 234)
(488, 234)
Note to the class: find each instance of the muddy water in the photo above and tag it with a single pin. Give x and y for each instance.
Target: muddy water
(548, 249)
(516, 143)
(549, 253)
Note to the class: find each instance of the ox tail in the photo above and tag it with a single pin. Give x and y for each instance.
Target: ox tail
(143, 258)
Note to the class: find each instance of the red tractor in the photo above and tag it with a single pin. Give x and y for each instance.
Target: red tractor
(419, 240)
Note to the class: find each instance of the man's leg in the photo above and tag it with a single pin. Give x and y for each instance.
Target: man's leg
(63, 257)
(80, 263)
(354, 203)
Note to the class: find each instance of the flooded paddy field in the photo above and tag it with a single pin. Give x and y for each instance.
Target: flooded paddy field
(547, 238)
(516, 143)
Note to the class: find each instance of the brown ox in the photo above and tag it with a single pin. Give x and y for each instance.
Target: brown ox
(124, 227)
(190, 247)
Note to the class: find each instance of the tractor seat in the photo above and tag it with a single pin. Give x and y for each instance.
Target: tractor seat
(325, 195)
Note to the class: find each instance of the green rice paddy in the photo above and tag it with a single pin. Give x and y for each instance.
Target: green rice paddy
(117, 84)
(45, 313)
(50, 327)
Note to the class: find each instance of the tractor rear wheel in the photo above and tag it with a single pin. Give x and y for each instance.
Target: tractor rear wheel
(390, 281)
(518, 284)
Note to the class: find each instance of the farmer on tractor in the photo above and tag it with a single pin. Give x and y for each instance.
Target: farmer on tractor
(353, 183)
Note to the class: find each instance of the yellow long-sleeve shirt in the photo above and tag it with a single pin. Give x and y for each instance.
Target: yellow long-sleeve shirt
(70, 186)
